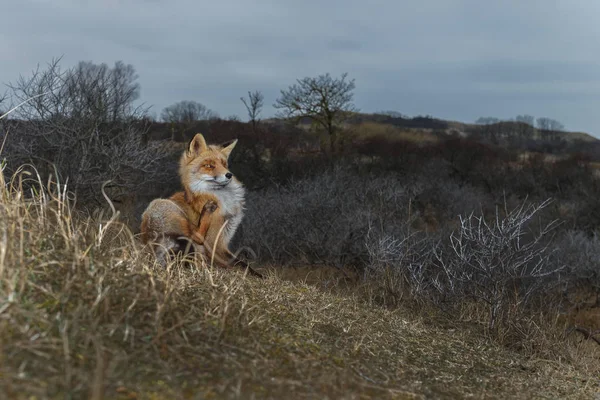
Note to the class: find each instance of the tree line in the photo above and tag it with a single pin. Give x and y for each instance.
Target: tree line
(542, 123)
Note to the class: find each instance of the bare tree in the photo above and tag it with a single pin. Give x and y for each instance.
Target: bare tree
(94, 92)
(326, 101)
(391, 113)
(549, 124)
(81, 125)
(254, 106)
(491, 128)
(526, 119)
(187, 111)
(487, 120)
(525, 126)
(123, 90)
(2, 100)
(3, 116)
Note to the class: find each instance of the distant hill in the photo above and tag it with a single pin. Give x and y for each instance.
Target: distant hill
(395, 127)
(429, 124)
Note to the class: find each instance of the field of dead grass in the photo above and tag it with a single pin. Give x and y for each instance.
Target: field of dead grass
(391, 133)
(85, 313)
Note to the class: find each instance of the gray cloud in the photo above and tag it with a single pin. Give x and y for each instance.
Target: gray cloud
(454, 59)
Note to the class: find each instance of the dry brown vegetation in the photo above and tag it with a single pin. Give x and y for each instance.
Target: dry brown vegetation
(390, 133)
(411, 262)
(85, 313)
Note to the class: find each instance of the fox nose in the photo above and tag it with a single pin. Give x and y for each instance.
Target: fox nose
(228, 175)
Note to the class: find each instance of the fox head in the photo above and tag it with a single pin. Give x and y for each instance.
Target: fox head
(204, 167)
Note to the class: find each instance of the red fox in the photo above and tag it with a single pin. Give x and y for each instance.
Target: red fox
(212, 197)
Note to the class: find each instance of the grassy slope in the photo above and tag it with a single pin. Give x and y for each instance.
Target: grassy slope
(312, 344)
(275, 338)
(85, 313)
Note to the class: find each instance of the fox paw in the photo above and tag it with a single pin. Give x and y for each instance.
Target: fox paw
(210, 206)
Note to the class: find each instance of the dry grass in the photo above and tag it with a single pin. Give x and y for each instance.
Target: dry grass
(85, 313)
(391, 133)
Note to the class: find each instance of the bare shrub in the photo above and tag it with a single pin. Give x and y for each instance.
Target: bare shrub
(340, 216)
(324, 219)
(580, 254)
(444, 199)
(81, 125)
(499, 262)
(401, 265)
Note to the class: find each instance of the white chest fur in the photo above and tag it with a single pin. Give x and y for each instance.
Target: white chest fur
(231, 201)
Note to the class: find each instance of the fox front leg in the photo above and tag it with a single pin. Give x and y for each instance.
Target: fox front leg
(199, 234)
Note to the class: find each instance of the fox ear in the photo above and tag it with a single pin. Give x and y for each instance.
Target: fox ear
(197, 145)
(228, 147)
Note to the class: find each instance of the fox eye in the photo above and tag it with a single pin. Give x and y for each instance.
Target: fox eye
(209, 166)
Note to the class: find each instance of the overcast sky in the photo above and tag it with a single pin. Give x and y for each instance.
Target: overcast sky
(453, 59)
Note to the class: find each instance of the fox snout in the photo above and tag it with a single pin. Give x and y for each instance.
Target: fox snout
(224, 179)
